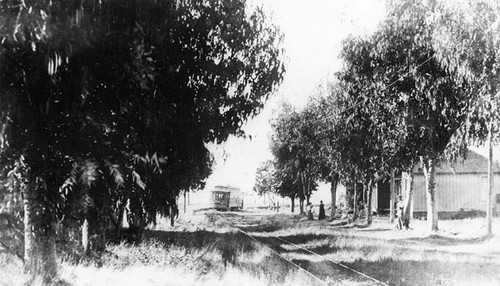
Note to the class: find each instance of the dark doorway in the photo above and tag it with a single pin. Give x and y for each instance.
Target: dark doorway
(384, 196)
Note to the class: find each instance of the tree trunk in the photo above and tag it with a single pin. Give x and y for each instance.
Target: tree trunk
(119, 223)
(184, 201)
(355, 202)
(407, 212)
(333, 191)
(430, 185)
(489, 198)
(364, 193)
(292, 199)
(368, 206)
(304, 192)
(29, 243)
(301, 205)
(85, 236)
(47, 255)
(39, 240)
(392, 196)
(173, 214)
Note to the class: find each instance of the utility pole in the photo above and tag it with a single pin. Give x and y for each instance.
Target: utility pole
(489, 199)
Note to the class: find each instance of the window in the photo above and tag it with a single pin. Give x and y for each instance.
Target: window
(220, 196)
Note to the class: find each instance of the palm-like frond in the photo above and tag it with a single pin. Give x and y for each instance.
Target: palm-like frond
(116, 174)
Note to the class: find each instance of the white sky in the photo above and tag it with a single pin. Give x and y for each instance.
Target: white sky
(313, 33)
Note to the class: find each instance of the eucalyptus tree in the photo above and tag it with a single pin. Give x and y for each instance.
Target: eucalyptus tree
(124, 82)
(467, 40)
(363, 140)
(264, 178)
(291, 147)
(265, 182)
(324, 125)
(398, 91)
(418, 90)
(288, 186)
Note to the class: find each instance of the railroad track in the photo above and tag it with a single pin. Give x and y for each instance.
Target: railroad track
(323, 270)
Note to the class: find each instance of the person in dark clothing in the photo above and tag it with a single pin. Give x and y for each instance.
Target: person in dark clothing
(321, 214)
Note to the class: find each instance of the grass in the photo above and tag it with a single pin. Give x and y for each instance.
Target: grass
(10, 270)
(396, 261)
(206, 250)
(198, 253)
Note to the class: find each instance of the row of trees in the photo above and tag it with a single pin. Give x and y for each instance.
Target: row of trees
(108, 105)
(421, 89)
(294, 169)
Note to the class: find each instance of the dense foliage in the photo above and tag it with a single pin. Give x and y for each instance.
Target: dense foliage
(108, 104)
(416, 90)
(295, 167)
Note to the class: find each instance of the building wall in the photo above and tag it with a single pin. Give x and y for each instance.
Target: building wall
(454, 192)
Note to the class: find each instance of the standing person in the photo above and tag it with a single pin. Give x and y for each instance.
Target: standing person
(310, 215)
(321, 214)
(399, 211)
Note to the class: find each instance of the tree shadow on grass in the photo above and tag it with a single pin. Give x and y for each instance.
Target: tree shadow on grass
(399, 271)
(445, 240)
(328, 271)
(202, 239)
(305, 238)
(234, 248)
(375, 229)
(451, 269)
(426, 269)
(317, 243)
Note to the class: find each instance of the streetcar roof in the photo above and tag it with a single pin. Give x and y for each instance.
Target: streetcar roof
(221, 191)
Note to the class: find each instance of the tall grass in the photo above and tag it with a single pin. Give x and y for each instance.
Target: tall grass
(209, 252)
(206, 250)
(155, 263)
(418, 261)
(10, 270)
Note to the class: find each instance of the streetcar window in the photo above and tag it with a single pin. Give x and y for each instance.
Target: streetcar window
(220, 196)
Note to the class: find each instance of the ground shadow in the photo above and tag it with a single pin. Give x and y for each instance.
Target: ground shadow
(202, 239)
(234, 248)
(445, 240)
(399, 271)
(375, 229)
(428, 269)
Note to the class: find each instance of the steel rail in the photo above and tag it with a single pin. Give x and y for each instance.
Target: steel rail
(313, 253)
(284, 258)
(333, 261)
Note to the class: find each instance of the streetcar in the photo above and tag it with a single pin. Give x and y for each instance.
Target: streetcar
(227, 198)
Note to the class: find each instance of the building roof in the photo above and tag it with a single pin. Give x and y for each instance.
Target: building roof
(473, 164)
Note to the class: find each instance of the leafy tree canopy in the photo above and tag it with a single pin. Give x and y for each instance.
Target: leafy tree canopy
(122, 96)
(291, 145)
